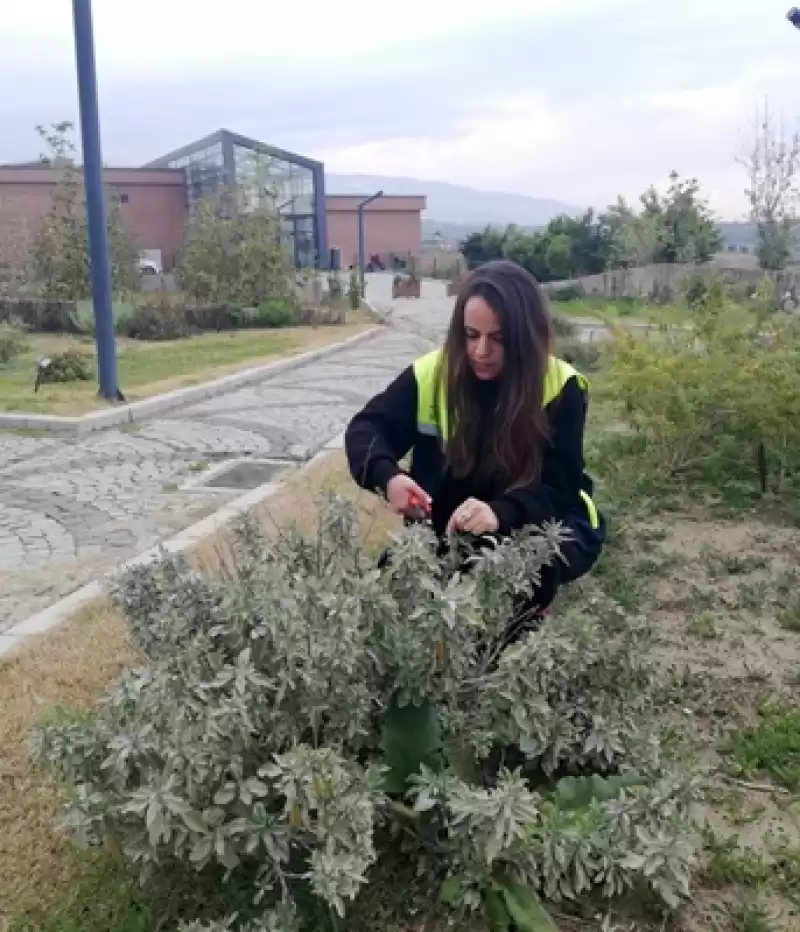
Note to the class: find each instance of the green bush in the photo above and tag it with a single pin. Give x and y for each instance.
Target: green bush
(312, 733)
(159, 316)
(564, 327)
(354, 289)
(276, 312)
(586, 357)
(565, 293)
(696, 291)
(40, 315)
(12, 344)
(335, 287)
(718, 404)
(223, 317)
(69, 366)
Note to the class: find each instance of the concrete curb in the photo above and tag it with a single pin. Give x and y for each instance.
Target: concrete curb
(17, 636)
(148, 407)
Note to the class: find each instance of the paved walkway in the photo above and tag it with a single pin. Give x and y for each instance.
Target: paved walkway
(73, 510)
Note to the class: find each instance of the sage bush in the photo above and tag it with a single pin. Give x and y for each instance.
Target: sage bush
(330, 739)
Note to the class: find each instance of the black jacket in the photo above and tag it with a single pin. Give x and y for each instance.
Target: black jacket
(386, 430)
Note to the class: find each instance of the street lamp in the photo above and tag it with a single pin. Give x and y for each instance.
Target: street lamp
(361, 247)
(95, 201)
(794, 17)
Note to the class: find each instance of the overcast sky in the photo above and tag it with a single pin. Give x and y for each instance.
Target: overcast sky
(572, 99)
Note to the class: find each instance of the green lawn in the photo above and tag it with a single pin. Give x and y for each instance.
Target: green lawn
(147, 369)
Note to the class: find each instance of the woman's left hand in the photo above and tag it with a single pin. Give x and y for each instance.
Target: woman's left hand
(474, 517)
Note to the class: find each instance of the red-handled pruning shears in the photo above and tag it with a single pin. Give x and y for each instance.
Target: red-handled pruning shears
(418, 507)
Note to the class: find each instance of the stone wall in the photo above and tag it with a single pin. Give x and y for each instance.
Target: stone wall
(664, 282)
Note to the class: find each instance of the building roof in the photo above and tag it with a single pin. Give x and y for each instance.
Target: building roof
(37, 173)
(226, 137)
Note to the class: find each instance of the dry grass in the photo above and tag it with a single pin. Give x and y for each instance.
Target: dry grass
(71, 668)
(153, 368)
(713, 591)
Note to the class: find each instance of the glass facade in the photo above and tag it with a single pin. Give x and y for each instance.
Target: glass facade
(205, 171)
(264, 179)
(262, 176)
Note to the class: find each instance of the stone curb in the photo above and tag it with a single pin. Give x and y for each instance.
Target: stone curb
(139, 410)
(53, 616)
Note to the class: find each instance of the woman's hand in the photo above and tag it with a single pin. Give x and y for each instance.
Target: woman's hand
(474, 517)
(405, 497)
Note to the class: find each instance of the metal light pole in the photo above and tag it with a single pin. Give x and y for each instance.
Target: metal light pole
(95, 200)
(361, 238)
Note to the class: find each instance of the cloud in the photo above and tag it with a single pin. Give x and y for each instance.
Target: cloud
(574, 100)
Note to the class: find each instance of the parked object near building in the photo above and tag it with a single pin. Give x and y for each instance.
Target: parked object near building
(150, 262)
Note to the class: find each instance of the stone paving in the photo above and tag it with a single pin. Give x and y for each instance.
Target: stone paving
(73, 510)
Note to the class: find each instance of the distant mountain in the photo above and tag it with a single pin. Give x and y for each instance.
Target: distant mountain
(458, 204)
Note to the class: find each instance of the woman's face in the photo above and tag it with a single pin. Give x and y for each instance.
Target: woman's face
(484, 339)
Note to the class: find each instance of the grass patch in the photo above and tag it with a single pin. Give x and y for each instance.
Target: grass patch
(789, 618)
(47, 884)
(703, 626)
(609, 308)
(771, 748)
(147, 369)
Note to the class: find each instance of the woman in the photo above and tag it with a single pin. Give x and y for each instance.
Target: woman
(496, 425)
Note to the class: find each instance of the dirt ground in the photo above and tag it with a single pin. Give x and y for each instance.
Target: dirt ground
(718, 594)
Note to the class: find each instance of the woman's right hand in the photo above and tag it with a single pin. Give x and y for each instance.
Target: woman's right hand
(405, 497)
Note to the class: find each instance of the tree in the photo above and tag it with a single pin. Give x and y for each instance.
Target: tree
(676, 227)
(772, 164)
(233, 253)
(60, 249)
(633, 238)
(686, 227)
(478, 248)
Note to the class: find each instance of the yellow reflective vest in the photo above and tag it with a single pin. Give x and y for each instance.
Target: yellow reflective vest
(432, 415)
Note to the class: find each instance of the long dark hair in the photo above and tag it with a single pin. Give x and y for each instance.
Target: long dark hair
(510, 447)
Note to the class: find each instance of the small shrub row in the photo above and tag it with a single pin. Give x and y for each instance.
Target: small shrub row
(164, 316)
(69, 366)
(41, 316)
(12, 343)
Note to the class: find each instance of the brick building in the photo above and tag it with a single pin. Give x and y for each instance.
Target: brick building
(155, 200)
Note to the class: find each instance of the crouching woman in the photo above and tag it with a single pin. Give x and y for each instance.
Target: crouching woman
(494, 423)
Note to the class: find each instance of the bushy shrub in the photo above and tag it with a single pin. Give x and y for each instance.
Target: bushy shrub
(586, 357)
(354, 289)
(157, 316)
(696, 291)
(277, 312)
(564, 327)
(222, 317)
(317, 731)
(572, 292)
(69, 366)
(40, 315)
(12, 343)
(715, 403)
(335, 287)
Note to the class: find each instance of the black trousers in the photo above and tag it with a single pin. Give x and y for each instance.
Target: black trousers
(578, 556)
